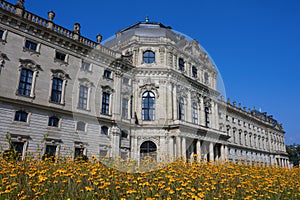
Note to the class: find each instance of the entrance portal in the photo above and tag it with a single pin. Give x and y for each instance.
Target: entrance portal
(148, 149)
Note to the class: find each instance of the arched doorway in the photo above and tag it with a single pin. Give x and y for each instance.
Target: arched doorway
(148, 149)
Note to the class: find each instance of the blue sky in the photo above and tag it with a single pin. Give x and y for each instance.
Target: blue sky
(254, 43)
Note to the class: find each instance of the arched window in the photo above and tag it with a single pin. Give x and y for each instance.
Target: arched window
(195, 113)
(148, 106)
(180, 108)
(53, 121)
(148, 56)
(21, 116)
(148, 148)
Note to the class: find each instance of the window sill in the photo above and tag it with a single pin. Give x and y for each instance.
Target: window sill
(107, 78)
(21, 123)
(56, 103)
(26, 96)
(83, 109)
(31, 52)
(62, 62)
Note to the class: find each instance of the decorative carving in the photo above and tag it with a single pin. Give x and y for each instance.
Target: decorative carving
(86, 82)
(148, 86)
(107, 88)
(30, 64)
(20, 4)
(3, 57)
(60, 74)
(99, 38)
(182, 91)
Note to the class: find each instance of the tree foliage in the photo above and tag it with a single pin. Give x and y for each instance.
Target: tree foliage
(294, 153)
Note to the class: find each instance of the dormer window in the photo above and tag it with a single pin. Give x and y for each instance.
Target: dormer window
(194, 72)
(181, 64)
(148, 56)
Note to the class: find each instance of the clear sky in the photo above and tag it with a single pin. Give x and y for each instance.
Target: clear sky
(254, 43)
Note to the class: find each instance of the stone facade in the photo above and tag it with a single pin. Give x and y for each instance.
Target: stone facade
(148, 91)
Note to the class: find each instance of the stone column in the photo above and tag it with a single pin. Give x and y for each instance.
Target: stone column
(183, 150)
(216, 116)
(116, 101)
(115, 141)
(175, 112)
(202, 115)
(211, 151)
(178, 146)
(198, 149)
(171, 148)
(33, 84)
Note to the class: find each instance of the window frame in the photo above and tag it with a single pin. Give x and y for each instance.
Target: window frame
(86, 66)
(124, 114)
(194, 72)
(181, 110)
(107, 74)
(195, 119)
(105, 103)
(31, 46)
(56, 92)
(181, 64)
(104, 130)
(148, 106)
(148, 57)
(83, 97)
(61, 57)
(55, 123)
(23, 90)
(81, 126)
(19, 115)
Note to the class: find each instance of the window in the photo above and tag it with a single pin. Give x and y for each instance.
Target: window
(195, 113)
(107, 74)
(61, 57)
(104, 130)
(181, 64)
(105, 103)
(148, 56)
(194, 72)
(83, 97)
(29, 45)
(86, 66)
(53, 121)
(18, 148)
(124, 108)
(25, 82)
(124, 134)
(56, 92)
(50, 152)
(206, 110)
(148, 106)
(126, 81)
(1, 34)
(206, 78)
(80, 126)
(21, 116)
(180, 108)
(79, 152)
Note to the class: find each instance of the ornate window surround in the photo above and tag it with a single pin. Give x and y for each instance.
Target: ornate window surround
(57, 73)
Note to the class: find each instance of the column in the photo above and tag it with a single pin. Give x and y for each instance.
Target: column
(171, 148)
(222, 152)
(33, 84)
(178, 146)
(198, 149)
(216, 116)
(62, 98)
(226, 152)
(183, 151)
(211, 151)
(202, 115)
(175, 112)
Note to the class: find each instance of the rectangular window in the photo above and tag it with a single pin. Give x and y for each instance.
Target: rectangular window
(78, 152)
(107, 74)
(126, 81)
(25, 82)
(105, 103)
(60, 56)
(56, 90)
(29, 45)
(50, 151)
(83, 97)
(18, 148)
(195, 116)
(194, 72)
(21, 116)
(124, 108)
(181, 64)
(1, 35)
(86, 66)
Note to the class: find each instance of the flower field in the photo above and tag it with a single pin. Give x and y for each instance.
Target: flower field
(45, 179)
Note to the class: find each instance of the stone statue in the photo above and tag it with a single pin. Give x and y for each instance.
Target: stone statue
(51, 15)
(20, 4)
(76, 28)
(99, 38)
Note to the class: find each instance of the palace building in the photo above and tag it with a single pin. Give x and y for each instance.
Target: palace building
(147, 91)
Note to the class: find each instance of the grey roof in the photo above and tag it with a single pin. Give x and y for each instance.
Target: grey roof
(145, 29)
